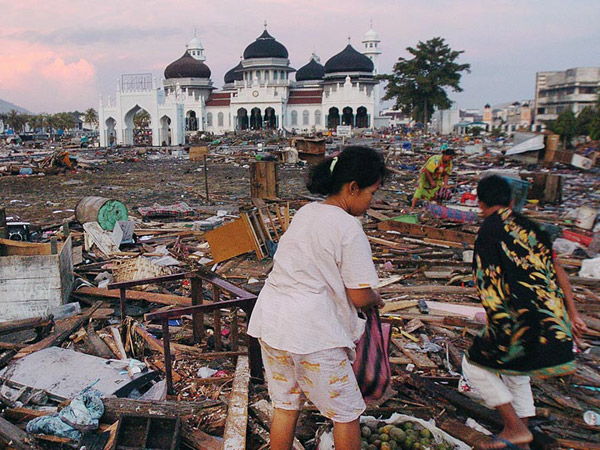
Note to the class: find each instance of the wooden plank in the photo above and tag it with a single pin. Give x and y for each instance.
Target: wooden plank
(65, 267)
(163, 299)
(198, 439)
(63, 329)
(398, 305)
(377, 215)
(464, 433)
(29, 267)
(425, 231)
(25, 324)
(419, 359)
(97, 345)
(386, 243)
(96, 235)
(14, 438)
(431, 289)
(400, 360)
(232, 239)
(17, 248)
(578, 445)
(115, 407)
(234, 437)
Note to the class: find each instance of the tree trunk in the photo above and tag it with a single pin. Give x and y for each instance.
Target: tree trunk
(425, 117)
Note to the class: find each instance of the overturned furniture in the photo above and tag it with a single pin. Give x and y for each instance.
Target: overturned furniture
(225, 296)
(34, 278)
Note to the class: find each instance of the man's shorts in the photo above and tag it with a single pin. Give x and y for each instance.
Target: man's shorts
(324, 377)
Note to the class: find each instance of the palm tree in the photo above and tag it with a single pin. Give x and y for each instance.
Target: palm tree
(3, 117)
(141, 119)
(91, 117)
(15, 120)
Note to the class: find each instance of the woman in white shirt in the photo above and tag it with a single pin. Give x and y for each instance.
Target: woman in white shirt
(306, 315)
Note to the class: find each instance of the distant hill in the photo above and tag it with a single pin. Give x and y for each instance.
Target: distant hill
(7, 106)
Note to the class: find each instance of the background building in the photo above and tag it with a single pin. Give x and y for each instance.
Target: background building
(260, 92)
(556, 91)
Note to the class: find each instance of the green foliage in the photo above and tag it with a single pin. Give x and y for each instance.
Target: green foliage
(476, 131)
(141, 119)
(418, 85)
(584, 121)
(91, 116)
(564, 125)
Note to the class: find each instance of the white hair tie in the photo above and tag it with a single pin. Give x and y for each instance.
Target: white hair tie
(332, 165)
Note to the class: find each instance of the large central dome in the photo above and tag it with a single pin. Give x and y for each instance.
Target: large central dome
(187, 67)
(265, 46)
(349, 60)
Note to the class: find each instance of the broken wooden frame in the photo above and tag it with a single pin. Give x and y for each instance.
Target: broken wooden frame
(245, 301)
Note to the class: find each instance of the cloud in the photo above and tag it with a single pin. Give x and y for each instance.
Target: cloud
(42, 80)
(77, 36)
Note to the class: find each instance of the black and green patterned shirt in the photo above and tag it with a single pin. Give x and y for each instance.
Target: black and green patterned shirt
(528, 331)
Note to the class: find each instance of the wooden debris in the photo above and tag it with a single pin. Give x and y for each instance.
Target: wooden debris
(15, 438)
(237, 415)
(63, 329)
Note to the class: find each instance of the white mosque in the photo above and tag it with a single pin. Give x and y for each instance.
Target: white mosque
(258, 93)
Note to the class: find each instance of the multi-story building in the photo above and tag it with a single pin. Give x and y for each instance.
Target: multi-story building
(557, 91)
(258, 93)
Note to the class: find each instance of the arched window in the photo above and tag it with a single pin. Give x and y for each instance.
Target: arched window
(305, 115)
(317, 117)
(220, 119)
(294, 117)
(209, 120)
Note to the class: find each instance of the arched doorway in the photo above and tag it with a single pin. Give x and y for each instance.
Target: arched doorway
(270, 118)
(111, 135)
(362, 118)
(333, 118)
(165, 131)
(191, 121)
(242, 116)
(138, 127)
(347, 116)
(255, 119)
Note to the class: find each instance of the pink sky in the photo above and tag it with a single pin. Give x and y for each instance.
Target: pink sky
(61, 55)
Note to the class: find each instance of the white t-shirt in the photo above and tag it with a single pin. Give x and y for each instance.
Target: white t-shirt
(303, 307)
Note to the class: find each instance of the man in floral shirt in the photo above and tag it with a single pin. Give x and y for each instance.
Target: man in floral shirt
(531, 316)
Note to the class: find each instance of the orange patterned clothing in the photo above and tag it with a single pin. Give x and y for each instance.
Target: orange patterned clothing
(324, 377)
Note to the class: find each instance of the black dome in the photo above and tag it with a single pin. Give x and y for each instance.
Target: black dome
(187, 67)
(265, 46)
(349, 60)
(234, 74)
(312, 71)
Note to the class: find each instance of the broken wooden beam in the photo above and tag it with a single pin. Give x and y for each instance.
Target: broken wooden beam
(115, 407)
(152, 297)
(63, 329)
(424, 231)
(234, 437)
(12, 326)
(13, 437)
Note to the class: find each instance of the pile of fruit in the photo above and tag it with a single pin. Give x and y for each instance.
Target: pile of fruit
(377, 435)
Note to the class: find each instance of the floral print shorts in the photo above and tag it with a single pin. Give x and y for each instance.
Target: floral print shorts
(324, 377)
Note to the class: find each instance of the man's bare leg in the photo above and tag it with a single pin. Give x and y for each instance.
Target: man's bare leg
(515, 430)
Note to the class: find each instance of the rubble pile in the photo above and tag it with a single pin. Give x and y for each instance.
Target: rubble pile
(155, 319)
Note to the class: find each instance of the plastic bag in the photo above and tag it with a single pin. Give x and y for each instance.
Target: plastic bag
(325, 440)
(372, 364)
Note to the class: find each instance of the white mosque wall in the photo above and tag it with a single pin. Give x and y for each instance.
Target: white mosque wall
(348, 94)
(218, 119)
(305, 117)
